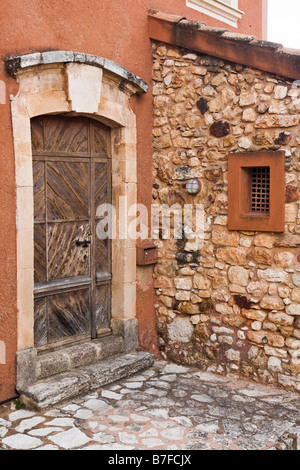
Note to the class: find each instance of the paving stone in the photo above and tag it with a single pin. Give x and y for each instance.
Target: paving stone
(4, 422)
(150, 443)
(133, 385)
(20, 414)
(111, 395)
(210, 427)
(97, 405)
(44, 431)
(70, 439)
(179, 393)
(169, 378)
(21, 442)
(202, 398)
(3, 431)
(151, 432)
(175, 434)
(48, 447)
(127, 438)
(139, 418)
(30, 423)
(183, 421)
(64, 422)
(162, 424)
(175, 369)
(103, 438)
(83, 414)
(155, 392)
(71, 407)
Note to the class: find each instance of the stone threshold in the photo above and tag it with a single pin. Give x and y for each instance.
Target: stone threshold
(81, 354)
(67, 385)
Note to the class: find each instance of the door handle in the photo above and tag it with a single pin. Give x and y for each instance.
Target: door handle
(83, 243)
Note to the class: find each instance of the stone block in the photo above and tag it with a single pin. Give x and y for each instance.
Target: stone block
(281, 318)
(201, 282)
(128, 330)
(266, 337)
(238, 275)
(271, 303)
(293, 309)
(180, 330)
(26, 368)
(84, 87)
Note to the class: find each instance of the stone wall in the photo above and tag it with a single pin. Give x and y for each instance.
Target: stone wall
(232, 306)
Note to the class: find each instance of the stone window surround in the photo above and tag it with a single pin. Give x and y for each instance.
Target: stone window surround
(66, 82)
(239, 192)
(227, 12)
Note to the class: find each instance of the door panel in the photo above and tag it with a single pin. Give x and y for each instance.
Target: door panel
(68, 135)
(67, 190)
(72, 176)
(66, 258)
(69, 315)
(100, 141)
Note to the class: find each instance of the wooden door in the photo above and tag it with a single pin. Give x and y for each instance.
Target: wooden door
(72, 266)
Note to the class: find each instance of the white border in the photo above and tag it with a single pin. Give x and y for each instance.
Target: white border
(219, 10)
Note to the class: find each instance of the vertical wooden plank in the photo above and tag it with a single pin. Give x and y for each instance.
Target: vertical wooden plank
(41, 326)
(102, 300)
(40, 253)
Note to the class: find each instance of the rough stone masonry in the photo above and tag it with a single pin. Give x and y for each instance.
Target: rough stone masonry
(232, 306)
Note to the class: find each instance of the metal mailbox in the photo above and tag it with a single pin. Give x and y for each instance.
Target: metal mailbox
(147, 254)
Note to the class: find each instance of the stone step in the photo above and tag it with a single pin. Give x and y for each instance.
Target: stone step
(82, 380)
(82, 354)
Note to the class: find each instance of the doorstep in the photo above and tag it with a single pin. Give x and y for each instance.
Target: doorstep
(66, 385)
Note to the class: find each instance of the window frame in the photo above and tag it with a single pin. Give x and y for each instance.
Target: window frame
(239, 192)
(227, 13)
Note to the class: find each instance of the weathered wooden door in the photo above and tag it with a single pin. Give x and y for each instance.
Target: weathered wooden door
(72, 267)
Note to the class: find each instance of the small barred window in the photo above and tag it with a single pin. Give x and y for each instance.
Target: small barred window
(256, 191)
(260, 189)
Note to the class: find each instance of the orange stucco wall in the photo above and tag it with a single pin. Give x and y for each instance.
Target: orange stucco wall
(116, 30)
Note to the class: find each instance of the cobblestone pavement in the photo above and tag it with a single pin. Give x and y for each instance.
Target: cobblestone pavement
(167, 407)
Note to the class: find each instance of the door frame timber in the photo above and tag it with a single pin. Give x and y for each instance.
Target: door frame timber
(98, 92)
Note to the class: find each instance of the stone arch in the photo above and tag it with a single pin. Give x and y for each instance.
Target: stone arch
(66, 82)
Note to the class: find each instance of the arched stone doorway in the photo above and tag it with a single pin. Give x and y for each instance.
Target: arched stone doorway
(73, 84)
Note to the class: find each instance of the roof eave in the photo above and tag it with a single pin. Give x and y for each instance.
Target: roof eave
(217, 42)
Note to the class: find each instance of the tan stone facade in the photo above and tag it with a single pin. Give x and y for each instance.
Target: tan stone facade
(234, 304)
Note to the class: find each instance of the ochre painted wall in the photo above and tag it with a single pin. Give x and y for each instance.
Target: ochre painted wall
(116, 30)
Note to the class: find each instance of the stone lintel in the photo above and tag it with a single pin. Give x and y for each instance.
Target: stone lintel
(14, 64)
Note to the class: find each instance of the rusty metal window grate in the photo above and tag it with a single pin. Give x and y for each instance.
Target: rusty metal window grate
(260, 189)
